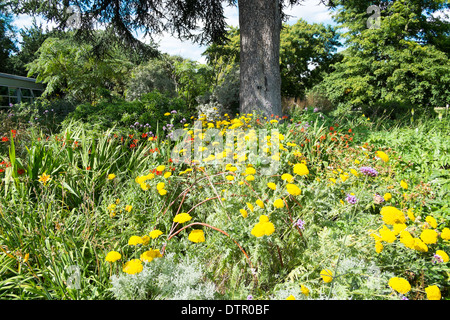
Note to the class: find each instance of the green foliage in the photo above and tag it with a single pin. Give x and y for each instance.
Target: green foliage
(69, 68)
(150, 110)
(7, 33)
(394, 67)
(155, 75)
(307, 52)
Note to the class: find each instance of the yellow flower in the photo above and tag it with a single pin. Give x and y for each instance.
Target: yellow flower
(167, 114)
(162, 191)
(244, 213)
(403, 184)
(111, 176)
(145, 186)
(263, 227)
(155, 233)
(399, 227)
(400, 285)
(387, 235)
(230, 177)
(44, 178)
(429, 236)
(287, 177)
(145, 240)
(250, 170)
(445, 234)
(149, 255)
(167, 174)
(291, 297)
(301, 169)
(431, 221)
(278, 203)
(354, 172)
(196, 236)
(304, 290)
(260, 203)
(387, 196)
(293, 189)
(343, 177)
(160, 168)
(407, 239)
(419, 245)
(433, 293)
(135, 240)
(326, 275)
(133, 266)
(113, 256)
(250, 178)
(392, 215)
(383, 156)
(160, 186)
(250, 206)
(410, 214)
(443, 255)
(182, 217)
(128, 208)
(378, 246)
(272, 185)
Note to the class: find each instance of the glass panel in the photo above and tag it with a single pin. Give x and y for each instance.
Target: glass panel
(3, 91)
(13, 92)
(25, 92)
(13, 100)
(37, 93)
(4, 101)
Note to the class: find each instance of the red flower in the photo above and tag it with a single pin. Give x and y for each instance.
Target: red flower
(144, 135)
(5, 139)
(88, 168)
(132, 146)
(20, 171)
(331, 128)
(13, 133)
(350, 130)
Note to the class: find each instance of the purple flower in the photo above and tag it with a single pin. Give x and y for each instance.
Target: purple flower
(437, 258)
(300, 223)
(368, 171)
(173, 111)
(249, 297)
(351, 199)
(316, 109)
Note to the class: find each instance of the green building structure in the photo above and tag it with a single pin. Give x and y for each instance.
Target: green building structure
(15, 89)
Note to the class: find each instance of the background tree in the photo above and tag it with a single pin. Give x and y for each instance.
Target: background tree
(71, 69)
(307, 53)
(31, 40)
(397, 66)
(260, 25)
(7, 34)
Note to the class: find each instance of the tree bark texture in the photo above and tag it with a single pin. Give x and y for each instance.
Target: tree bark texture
(260, 87)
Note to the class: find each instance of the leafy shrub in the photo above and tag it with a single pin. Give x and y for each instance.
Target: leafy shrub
(149, 77)
(149, 109)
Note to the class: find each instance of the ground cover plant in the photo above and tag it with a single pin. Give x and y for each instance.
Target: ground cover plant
(357, 209)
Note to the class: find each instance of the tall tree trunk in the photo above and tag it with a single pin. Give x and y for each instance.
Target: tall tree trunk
(260, 26)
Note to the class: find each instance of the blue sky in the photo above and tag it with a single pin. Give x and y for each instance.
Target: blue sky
(311, 10)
